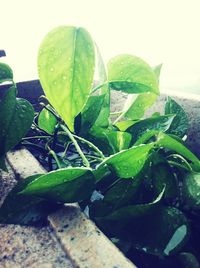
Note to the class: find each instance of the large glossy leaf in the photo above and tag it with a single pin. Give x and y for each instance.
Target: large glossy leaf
(6, 73)
(65, 185)
(16, 116)
(66, 63)
(18, 209)
(166, 141)
(123, 193)
(128, 213)
(136, 105)
(128, 163)
(180, 122)
(119, 140)
(132, 75)
(91, 112)
(47, 121)
(159, 123)
(151, 228)
(191, 190)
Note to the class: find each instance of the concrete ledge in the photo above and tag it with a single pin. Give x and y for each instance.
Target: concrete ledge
(84, 242)
(72, 241)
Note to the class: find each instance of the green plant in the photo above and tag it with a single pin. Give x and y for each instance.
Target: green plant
(135, 176)
(16, 115)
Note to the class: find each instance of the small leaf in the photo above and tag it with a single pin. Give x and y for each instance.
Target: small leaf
(164, 140)
(180, 122)
(16, 116)
(132, 75)
(47, 121)
(6, 73)
(191, 189)
(119, 140)
(64, 75)
(91, 112)
(161, 123)
(65, 185)
(128, 163)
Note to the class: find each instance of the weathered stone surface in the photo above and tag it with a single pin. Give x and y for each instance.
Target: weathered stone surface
(7, 182)
(84, 242)
(24, 164)
(23, 246)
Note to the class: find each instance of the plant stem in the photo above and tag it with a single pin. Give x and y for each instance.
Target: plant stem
(71, 136)
(36, 137)
(91, 145)
(51, 152)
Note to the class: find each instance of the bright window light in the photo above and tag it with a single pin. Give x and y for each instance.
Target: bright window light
(158, 31)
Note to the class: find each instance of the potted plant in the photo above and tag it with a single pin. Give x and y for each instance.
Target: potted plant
(134, 177)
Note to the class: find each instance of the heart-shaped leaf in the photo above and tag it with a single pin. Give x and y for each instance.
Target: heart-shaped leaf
(47, 121)
(179, 125)
(66, 64)
(160, 123)
(16, 116)
(191, 190)
(6, 73)
(132, 75)
(91, 112)
(66, 185)
(128, 163)
(119, 140)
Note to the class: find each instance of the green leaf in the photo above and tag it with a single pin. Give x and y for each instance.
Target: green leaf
(191, 190)
(103, 118)
(139, 105)
(64, 75)
(119, 140)
(189, 260)
(65, 185)
(123, 125)
(161, 123)
(162, 175)
(157, 70)
(16, 116)
(161, 233)
(132, 75)
(130, 212)
(180, 122)
(91, 112)
(6, 73)
(164, 140)
(136, 106)
(18, 209)
(47, 121)
(123, 193)
(128, 163)
(151, 228)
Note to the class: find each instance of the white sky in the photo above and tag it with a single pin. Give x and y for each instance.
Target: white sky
(159, 31)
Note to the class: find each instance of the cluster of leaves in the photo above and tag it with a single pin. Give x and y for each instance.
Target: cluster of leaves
(134, 177)
(16, 115)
